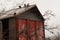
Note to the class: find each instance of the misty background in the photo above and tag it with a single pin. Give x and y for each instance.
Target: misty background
(43, 6)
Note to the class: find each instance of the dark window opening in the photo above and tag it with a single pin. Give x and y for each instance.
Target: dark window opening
(5, 29)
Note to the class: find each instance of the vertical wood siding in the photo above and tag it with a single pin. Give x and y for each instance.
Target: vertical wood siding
(30, 30)
(12, 29)
(21, 30)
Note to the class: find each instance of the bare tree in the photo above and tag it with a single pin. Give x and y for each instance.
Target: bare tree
(48, 14)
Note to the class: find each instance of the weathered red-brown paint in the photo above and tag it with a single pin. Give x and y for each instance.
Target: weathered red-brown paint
(30, 30)
(21, 25)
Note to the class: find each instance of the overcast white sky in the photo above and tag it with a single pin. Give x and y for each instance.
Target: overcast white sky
(43, 5)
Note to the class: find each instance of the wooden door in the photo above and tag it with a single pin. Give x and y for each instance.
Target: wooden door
(30, 30)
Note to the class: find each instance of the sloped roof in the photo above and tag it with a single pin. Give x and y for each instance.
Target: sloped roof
(10, 13)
